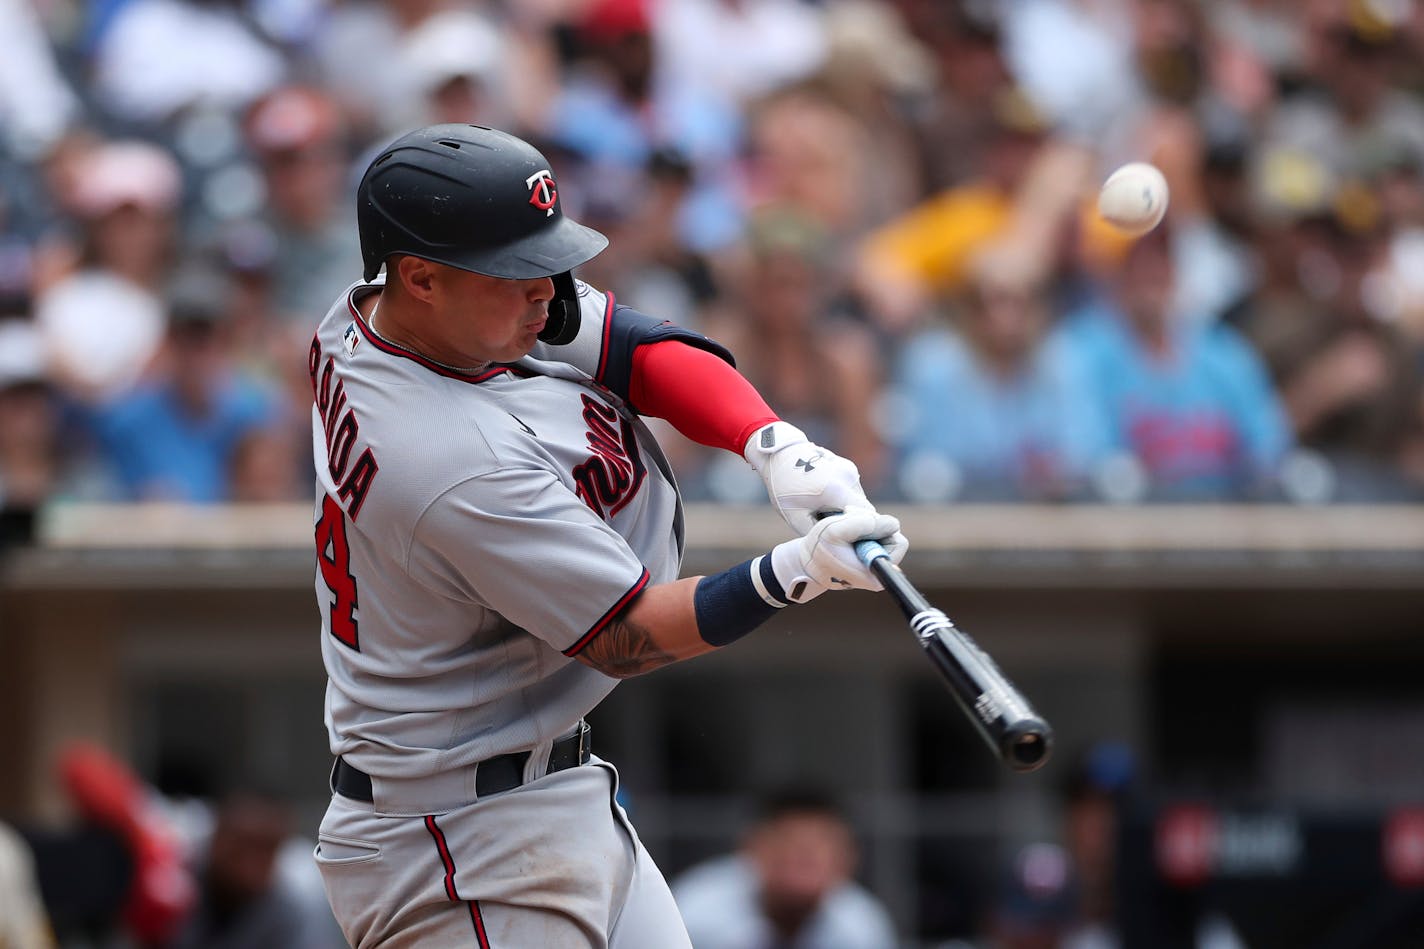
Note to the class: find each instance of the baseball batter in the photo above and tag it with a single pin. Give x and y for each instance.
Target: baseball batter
(498, 541)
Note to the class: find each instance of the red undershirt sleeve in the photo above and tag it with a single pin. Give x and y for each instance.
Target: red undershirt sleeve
(702, 396)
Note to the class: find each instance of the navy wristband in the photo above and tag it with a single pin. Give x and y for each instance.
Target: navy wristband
(736, 601)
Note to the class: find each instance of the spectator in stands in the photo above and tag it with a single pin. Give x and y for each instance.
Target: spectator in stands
(352, 56)
(23, 922)
(1074, 889)
(298, 135)
(1348, 374)
(1272, 33)
(265, 466)
(1026, 187)
(114, 874)
(735, 53)
(1036, 903)
(1198, 90)
(239, 905)
(379, 58)
(245, 254)
(1355, 104)
(791, 883)
(1075, 59)
(649, 266)
(990, 410)
(174, 438)
(1398, 182)
(260, 344)
(17, 256)
(794, 339)
(1215, 250)
(103, 323)
(134, 868)
(810, 155)
(966, 46)
(456, 63)
(1190, 406)
(157, 58)
(37, 105)
(882, 74)
(826, 110)
(1097, 787)
(29, 431)
(613, 115)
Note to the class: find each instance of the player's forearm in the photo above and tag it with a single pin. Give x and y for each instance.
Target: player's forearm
(656, 629)
(686, 618)
(674, 621)
(702, 396)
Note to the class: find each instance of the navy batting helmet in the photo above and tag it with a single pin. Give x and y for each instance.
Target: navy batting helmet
(480, 200)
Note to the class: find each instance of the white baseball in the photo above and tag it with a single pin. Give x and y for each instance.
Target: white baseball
(1134, 198)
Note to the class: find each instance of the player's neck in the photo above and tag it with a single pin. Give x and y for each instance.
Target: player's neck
(385, 320)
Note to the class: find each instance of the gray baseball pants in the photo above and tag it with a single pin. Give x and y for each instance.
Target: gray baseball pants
(553, 863)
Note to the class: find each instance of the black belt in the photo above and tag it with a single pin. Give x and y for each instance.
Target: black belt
(493, 775)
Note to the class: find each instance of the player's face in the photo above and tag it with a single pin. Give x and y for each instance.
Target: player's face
(489, 318)
(800, 858)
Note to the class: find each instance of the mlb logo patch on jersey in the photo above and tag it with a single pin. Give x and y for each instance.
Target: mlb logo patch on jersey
(351, 338)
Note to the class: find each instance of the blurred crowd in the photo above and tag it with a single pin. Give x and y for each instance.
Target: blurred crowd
(132, 868)
(884, 207)
(136, 867)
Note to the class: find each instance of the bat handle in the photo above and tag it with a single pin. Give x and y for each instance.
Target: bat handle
(870, 551)
(877, 560)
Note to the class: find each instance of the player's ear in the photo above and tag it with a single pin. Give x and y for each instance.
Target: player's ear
(416, 275)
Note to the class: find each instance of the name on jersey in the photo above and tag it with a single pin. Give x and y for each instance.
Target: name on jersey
(342, 430)
(611, 476)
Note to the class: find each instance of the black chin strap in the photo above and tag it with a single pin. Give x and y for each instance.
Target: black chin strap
(563, 324)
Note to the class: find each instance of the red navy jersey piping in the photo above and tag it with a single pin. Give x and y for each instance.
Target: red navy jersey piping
(392, 349)
(607, 335)
(607, 617)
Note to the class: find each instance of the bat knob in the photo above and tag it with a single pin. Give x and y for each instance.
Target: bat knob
(1026, 744)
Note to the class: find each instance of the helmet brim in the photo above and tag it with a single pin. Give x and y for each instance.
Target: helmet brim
(556, 249)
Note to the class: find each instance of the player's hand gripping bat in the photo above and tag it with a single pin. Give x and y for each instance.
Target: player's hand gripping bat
(998, 710)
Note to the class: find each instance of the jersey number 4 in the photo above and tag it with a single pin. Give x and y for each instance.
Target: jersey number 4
(333, 556)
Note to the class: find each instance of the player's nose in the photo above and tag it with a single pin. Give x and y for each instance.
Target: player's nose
(541, 289)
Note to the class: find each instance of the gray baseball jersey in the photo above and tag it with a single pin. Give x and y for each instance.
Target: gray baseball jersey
(474, 531)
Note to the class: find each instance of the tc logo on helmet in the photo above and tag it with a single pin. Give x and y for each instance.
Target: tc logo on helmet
(544, 193)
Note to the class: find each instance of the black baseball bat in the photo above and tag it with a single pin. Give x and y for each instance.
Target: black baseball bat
(1000, 713)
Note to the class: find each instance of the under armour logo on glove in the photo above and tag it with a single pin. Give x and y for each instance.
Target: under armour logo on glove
(803, 479)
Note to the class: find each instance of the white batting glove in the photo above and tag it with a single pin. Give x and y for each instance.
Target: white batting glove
(825, 559)
(803, 479)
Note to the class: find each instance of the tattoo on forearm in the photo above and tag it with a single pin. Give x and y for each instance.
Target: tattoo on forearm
(625, 649)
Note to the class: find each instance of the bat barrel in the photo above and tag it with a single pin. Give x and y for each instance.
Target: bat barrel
(1016, 733)
(1002, 715)
(1026, 743)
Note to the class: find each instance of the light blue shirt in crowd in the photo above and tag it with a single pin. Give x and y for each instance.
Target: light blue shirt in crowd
(722, 909)
(157, 450)
(605, 131)
(1202, 419)
(1007, 436)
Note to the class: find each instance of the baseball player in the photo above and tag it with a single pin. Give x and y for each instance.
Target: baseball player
(498, 542)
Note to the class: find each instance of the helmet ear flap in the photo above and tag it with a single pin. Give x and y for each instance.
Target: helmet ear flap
(563, 323)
